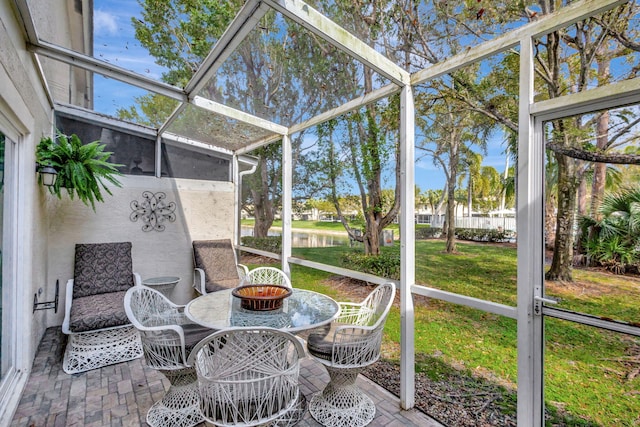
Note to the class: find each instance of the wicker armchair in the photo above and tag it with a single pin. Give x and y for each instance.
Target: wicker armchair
(167, 339)
(95, 320)
(266, 276)
(215, 266)
(249, 376)
(349, 344)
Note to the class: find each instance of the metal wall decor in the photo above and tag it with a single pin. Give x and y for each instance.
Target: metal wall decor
(153, 210)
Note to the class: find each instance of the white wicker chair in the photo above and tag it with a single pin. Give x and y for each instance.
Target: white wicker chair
(249, 376)
(349, 344)
(216, 266)
(167, 338)
(95, 321)
(266, 276)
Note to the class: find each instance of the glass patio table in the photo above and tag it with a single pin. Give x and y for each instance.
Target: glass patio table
(301, 311)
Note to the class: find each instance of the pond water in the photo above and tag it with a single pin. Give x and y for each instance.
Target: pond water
(307, 240)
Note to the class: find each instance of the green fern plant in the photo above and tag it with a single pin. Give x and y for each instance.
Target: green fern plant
(82, 169)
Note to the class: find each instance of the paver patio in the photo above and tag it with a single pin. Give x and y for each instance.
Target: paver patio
(120, 395)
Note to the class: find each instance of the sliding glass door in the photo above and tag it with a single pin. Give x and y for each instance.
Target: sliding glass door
(4, 342)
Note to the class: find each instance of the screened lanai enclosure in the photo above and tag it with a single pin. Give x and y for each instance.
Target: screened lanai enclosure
(442, 109)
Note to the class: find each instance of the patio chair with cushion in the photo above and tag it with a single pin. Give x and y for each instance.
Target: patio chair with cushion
(345, 347)
(249, 376)
(167, 339)
(216, 266)
(100, 333)
(266, 276)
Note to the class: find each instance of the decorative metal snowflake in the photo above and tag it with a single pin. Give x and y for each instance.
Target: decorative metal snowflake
(153, 210)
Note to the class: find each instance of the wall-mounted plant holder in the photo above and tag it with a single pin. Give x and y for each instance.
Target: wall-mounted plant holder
(46, 305)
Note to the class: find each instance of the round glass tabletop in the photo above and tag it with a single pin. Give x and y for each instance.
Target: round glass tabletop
(301, 311)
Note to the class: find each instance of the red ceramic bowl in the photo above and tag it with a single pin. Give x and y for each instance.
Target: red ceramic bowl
(261, 297)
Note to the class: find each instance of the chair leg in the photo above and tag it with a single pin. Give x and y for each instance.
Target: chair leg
(294, 416)
(342, 403)
(180, 406)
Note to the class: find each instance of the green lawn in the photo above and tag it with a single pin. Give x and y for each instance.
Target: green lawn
(586, 373)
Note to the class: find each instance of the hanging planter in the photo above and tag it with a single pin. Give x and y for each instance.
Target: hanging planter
(82, 169)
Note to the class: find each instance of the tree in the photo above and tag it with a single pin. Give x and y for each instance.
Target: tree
(578, 49)
(589, 46)
(262, 77)
(488, 189)
(436, 200)
(450, 130)
(472, 173)
(358, 143)
(363, 148)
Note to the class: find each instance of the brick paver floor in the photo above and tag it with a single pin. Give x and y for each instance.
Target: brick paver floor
(120, 395)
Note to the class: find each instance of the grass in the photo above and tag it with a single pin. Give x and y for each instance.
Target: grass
(587, 379)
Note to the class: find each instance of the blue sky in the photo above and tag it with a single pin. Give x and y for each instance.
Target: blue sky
(428, 176)
(114, 42)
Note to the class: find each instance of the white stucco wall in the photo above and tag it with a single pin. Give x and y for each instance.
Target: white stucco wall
(204, 210)
(25, 115)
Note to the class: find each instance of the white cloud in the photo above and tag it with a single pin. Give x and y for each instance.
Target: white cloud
(104, 23)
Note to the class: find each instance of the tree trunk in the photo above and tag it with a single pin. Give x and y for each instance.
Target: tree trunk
(372, 237)
(602, 141)
(600, 169)
(582, 198)
(470, 195)
(450, 221)
(263, 206)
(550, 221)
(562, 262)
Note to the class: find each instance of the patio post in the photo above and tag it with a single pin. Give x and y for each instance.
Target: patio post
(287, 183)
(158, 158)
(407, 247)
(237, 203)
(530, 229)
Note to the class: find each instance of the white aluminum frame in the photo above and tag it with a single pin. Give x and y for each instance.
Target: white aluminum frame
(287, 203)
(530, 167)
(530, 252)
(407, 247)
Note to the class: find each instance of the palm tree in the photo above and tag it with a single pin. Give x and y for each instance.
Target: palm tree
(612, 235)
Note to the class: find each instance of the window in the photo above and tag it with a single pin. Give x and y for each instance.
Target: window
(136, 153)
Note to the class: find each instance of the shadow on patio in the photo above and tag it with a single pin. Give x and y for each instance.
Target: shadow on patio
(120, 395)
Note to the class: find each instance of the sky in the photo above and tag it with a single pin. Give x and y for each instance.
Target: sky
(114, 42)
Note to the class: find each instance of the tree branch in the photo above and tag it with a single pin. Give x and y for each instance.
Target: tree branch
(596, 157)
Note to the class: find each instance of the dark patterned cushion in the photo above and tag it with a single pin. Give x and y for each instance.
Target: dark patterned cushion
(100, 311)
(320, 341)
(101, 268)
(219, 285)
(217, 259)
(193, 334)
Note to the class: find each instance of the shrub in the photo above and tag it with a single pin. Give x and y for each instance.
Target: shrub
(385, 265)
(483, 235)
(269, 243)
(423, 233)
(612, 239)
